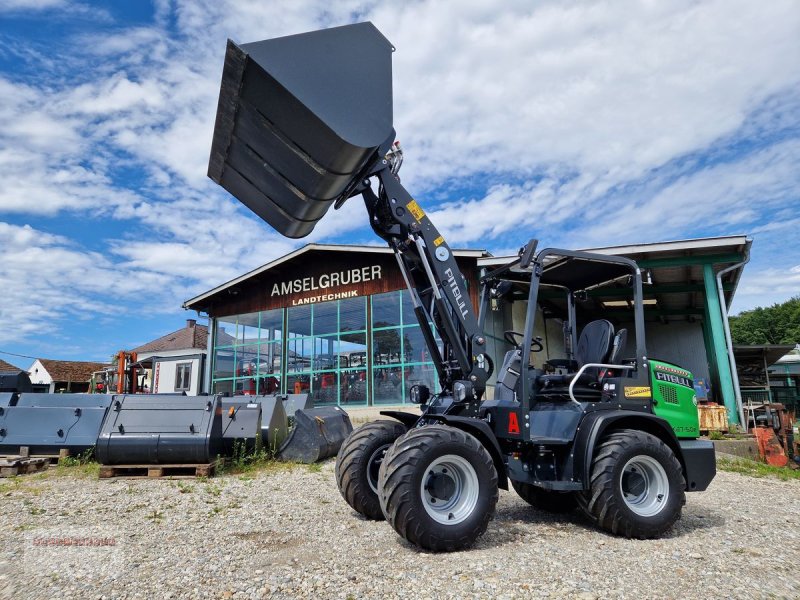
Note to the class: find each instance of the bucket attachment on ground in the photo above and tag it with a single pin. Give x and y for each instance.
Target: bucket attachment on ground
(274, 423)
(241, 424)
(286, 143)
(49, 423)
(161, 429)
(318, 434)
(294, 402)
(15, 381)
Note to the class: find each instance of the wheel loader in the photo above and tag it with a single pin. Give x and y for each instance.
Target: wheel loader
(304, 123)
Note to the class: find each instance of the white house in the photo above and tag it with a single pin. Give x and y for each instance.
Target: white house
(175, 362)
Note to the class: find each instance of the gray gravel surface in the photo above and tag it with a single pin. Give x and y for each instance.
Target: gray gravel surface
(288, 534)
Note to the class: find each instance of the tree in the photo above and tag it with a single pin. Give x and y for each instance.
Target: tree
(776, 324)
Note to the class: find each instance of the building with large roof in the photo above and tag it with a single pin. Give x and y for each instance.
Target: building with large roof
(336, 321)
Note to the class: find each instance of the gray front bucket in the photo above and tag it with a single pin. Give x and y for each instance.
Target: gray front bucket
(241, 424)
(299, 119)
(161, 429)
(318, 434)
(274, 422)
(48, 423)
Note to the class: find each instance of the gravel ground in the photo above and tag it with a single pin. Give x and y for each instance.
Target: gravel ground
(286, 533)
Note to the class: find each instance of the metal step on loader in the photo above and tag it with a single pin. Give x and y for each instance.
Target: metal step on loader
(304, 123)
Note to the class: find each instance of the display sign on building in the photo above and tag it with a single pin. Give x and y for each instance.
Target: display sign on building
(329, 286)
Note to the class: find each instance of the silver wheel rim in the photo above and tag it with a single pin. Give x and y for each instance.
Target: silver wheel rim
(374, 465)
(449, 489)
(644, 486)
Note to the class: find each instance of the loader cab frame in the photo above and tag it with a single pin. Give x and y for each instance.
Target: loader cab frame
(572, 273)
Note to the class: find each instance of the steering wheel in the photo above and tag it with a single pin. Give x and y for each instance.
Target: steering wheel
(515, 339)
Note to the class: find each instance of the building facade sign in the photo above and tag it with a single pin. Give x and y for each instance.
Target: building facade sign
(327, 281)
(328, 286)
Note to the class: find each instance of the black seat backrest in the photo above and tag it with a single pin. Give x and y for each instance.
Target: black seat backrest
(618, 346)
(508, 376)
(594, 345)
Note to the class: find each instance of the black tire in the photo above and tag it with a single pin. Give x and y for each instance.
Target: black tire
(358, 461)
(444, 464)
(549, 500)
(655, 496)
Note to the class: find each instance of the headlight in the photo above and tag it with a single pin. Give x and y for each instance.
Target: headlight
(459, 391)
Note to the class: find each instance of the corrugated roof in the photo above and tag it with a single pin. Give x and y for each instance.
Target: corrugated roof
(71, 370)
(191, 336)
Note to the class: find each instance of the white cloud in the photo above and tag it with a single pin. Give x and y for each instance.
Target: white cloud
(581, 119)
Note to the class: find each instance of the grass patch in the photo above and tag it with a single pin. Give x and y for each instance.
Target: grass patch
(83, 465)
(247, 464)
(757, 469)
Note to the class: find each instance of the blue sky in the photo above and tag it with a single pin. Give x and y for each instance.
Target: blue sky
(583, 124)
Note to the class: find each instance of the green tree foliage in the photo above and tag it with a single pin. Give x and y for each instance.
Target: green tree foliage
(776, 324)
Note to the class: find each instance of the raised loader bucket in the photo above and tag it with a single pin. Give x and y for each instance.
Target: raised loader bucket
(318, 434)
(299, 119)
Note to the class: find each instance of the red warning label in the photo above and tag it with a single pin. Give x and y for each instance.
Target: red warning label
(513, 423)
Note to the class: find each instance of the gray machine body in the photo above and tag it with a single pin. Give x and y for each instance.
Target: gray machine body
(161, 429)
(48, 423)
(318, 433)
(291, 167)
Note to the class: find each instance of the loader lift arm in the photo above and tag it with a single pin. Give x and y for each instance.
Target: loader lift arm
(438, 288)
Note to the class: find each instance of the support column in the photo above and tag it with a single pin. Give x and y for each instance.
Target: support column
(207, 364)
(717, 333)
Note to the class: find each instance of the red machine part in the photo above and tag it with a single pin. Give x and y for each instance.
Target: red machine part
(769, 447)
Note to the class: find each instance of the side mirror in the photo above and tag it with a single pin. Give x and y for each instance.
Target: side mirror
(419, 394)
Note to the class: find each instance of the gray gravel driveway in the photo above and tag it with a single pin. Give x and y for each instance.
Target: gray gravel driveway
(286, 533)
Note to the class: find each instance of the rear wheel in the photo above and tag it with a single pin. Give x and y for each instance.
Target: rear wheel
(637, 485)
(358, 462)
(438, 488)
(549, 500)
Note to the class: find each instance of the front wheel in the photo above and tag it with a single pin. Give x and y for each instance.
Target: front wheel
(358, 462)
(438, 488)
(637, 485)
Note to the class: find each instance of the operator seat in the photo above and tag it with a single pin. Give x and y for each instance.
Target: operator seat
(508, 376)
(597, 344)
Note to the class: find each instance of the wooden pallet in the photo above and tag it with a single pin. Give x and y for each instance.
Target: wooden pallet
(188, 471)
(24, 452)
(20, 465)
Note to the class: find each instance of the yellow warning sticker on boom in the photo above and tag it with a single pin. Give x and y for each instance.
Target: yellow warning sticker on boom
(415, 210)
(438, 241)
(637, 392)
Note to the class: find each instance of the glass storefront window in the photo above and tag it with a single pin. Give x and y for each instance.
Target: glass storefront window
(399, 355)
(325, 350)
(247, 353)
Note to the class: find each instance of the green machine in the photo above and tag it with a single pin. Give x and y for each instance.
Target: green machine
(674, 398)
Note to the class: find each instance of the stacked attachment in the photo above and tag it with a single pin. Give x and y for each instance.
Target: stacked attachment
(49, 423)
(285, 140)
(318, 434)
(161, 429)
(241, 424)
